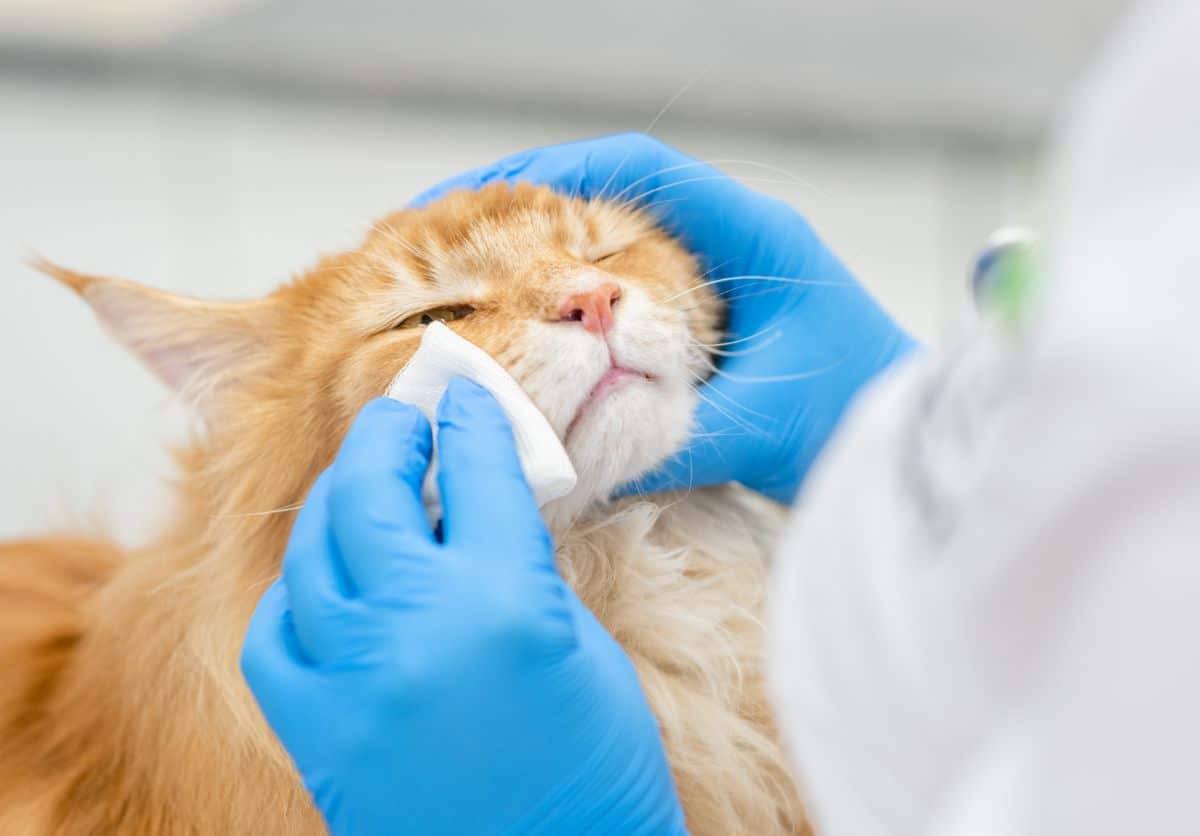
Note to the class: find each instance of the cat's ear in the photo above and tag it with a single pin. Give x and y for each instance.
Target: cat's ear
(194, 346)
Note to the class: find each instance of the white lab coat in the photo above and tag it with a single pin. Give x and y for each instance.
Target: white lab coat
(986, 615)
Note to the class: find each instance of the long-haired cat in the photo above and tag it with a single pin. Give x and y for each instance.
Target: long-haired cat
(122, 709)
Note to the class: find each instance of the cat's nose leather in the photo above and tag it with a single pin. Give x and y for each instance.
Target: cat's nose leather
(592, 309)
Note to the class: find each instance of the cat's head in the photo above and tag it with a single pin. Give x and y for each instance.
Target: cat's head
(597, 313)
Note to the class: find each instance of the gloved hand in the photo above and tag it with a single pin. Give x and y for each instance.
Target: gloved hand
(448, 687)
(803, 338)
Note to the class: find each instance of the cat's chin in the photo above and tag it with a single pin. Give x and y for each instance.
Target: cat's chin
(632, 430)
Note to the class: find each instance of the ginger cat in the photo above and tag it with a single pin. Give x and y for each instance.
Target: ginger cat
(122, 708)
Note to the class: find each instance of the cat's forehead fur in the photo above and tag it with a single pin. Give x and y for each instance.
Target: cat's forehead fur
(499, 228)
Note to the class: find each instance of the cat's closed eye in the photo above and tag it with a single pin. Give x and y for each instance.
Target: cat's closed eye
(443, 313)
(597, 253)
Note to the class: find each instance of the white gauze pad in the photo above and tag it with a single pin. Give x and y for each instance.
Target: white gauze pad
(443, 355)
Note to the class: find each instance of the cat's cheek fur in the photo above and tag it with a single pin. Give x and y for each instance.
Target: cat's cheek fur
(557, 365)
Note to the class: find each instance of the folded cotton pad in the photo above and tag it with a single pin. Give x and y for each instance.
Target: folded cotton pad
(443, 355)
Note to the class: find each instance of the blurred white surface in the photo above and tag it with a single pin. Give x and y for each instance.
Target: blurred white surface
(114, 23)
(979, 69)
(228, 195)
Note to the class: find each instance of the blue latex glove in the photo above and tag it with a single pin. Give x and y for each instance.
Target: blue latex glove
(804, 336)
(453, 687)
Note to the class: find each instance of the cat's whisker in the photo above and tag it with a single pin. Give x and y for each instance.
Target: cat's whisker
(679, 94)
(737, 298)
(755, 335)
(713, 434)
(791, 175)
(704, 276)
(735, 403)
(239, 514)
(733, 342)
(753, 278)
(776, 378)
(794, 179)
(725, 412)
(658, 204)
(738, 294)
(680, 167)
(742, 423)
(630, 202)
(773, 338)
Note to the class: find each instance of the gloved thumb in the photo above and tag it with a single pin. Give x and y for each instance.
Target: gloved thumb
(485, 494)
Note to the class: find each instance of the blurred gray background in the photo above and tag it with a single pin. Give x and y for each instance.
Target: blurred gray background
(215, 147)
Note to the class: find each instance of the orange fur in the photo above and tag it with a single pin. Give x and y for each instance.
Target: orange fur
(122, 709)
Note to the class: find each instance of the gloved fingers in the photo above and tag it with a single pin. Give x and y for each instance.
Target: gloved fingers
(273, 662)
(375, 510)
(485, 495)
(322, 597)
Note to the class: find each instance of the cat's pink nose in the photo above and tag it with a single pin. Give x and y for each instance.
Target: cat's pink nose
(592, 309)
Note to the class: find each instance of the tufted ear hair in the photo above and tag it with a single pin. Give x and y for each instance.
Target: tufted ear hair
(194, 346)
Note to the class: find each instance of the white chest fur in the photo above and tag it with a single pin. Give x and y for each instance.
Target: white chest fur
(679, 580)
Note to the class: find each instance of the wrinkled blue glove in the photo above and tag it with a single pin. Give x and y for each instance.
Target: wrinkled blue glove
(453, 687)
(803, 335)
